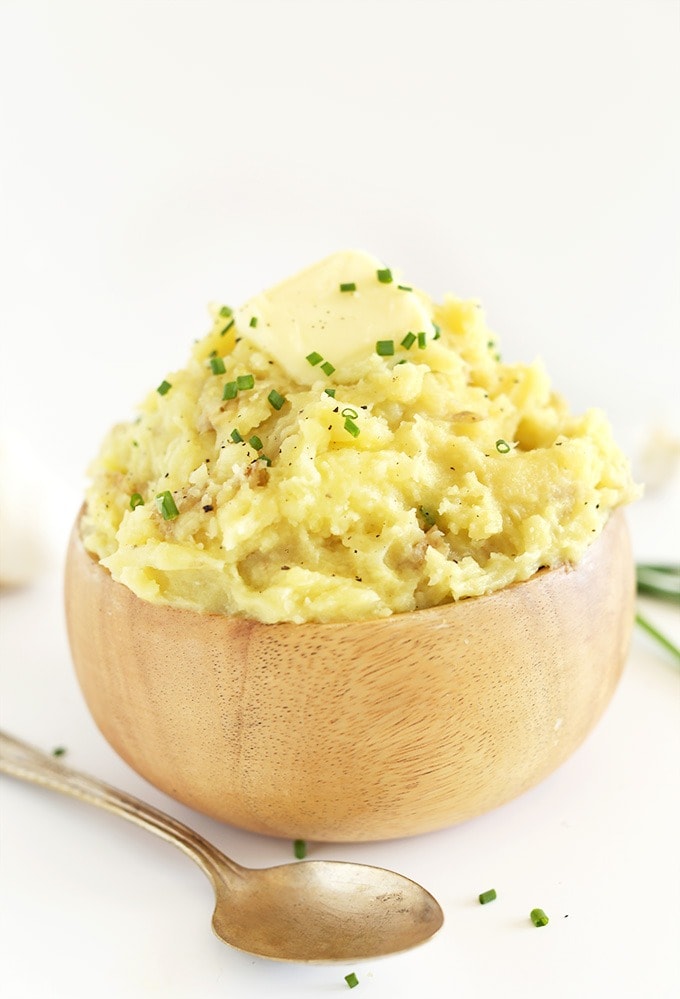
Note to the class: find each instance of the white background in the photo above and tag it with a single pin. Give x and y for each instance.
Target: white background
(162, 154)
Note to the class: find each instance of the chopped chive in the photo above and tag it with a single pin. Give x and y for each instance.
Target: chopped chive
(408, 340)
(384, 348)
(404, 287)
(426, 516)
(245, 382)
(348, 411)
(264, 458)
(236, 437)
(351, 427)
(136, 500)
(437, 331)
(385, 275)
(230, 390)
(314, 358)
(253, 321)
(300, 848)
(275, 399)
(225, 311)
(59, 751)
(227, 327)
(164, 387)
(348, 286)
(327, 368)
(422, 339)
(330, 392)
(255, 442)
(217, 365)
(502, 446)
(401, 361)
(487, 896)
(166, 505)
(352, 980)
(538, 917)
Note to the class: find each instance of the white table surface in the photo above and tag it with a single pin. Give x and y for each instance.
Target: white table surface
(157, 156)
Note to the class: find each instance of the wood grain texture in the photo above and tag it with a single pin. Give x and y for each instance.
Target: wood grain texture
(355, 731)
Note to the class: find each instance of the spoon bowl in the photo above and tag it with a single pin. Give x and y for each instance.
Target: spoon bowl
(306, 911)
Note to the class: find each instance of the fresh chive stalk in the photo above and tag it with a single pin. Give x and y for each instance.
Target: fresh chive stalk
(487, 896)
(225, 312)
(136, 500)
(352, 980)
(502, 446)
(164, 387)
(314, 358)
(384, 275)
(255, 442)
(300, 848)
(348, 286)
(408, 340)
(384, 348)
(230, 390)
(217, 365)
(244, 382)
(327, 368)
(236, 437)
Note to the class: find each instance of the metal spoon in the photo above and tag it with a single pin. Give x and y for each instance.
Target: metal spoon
(304, 911)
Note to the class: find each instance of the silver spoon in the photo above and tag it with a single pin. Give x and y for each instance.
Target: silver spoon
(305, 911)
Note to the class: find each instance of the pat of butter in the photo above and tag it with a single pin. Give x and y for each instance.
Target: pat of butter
(310, 314)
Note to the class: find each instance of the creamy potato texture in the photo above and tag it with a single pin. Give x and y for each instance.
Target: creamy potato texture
(342, 448)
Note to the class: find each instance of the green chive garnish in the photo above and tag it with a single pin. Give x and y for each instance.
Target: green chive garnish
(225, 311)
(348, 286)
(348, 411)
(166, 505)
(230, 390)
(352, 980)
(422, 339)
(426, 516)
(327, 368)
(136, 500)
(662, 639)
(314, 358)
(404, 287)
(245, 382)
(351, 427)
(487, 896)
(236, 437)
(275, 399)
(437, 331)
(164, 387)
(300, 848)
(408, 340)
(255, 442)
(330, 392)
(385, 348)
(227, 327)
(385, 276)
(658, 581)
(538, 917)
(217, 365)
(253, 321)
(502, 446)
(59, 751)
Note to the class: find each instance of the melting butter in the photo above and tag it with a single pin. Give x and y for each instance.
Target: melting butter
(310, 314)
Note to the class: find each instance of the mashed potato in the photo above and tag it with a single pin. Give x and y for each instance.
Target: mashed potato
(396, 464)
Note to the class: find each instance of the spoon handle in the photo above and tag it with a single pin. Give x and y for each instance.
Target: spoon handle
(18, 759)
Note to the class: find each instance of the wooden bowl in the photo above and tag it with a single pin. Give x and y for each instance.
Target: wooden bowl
(360, 731)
